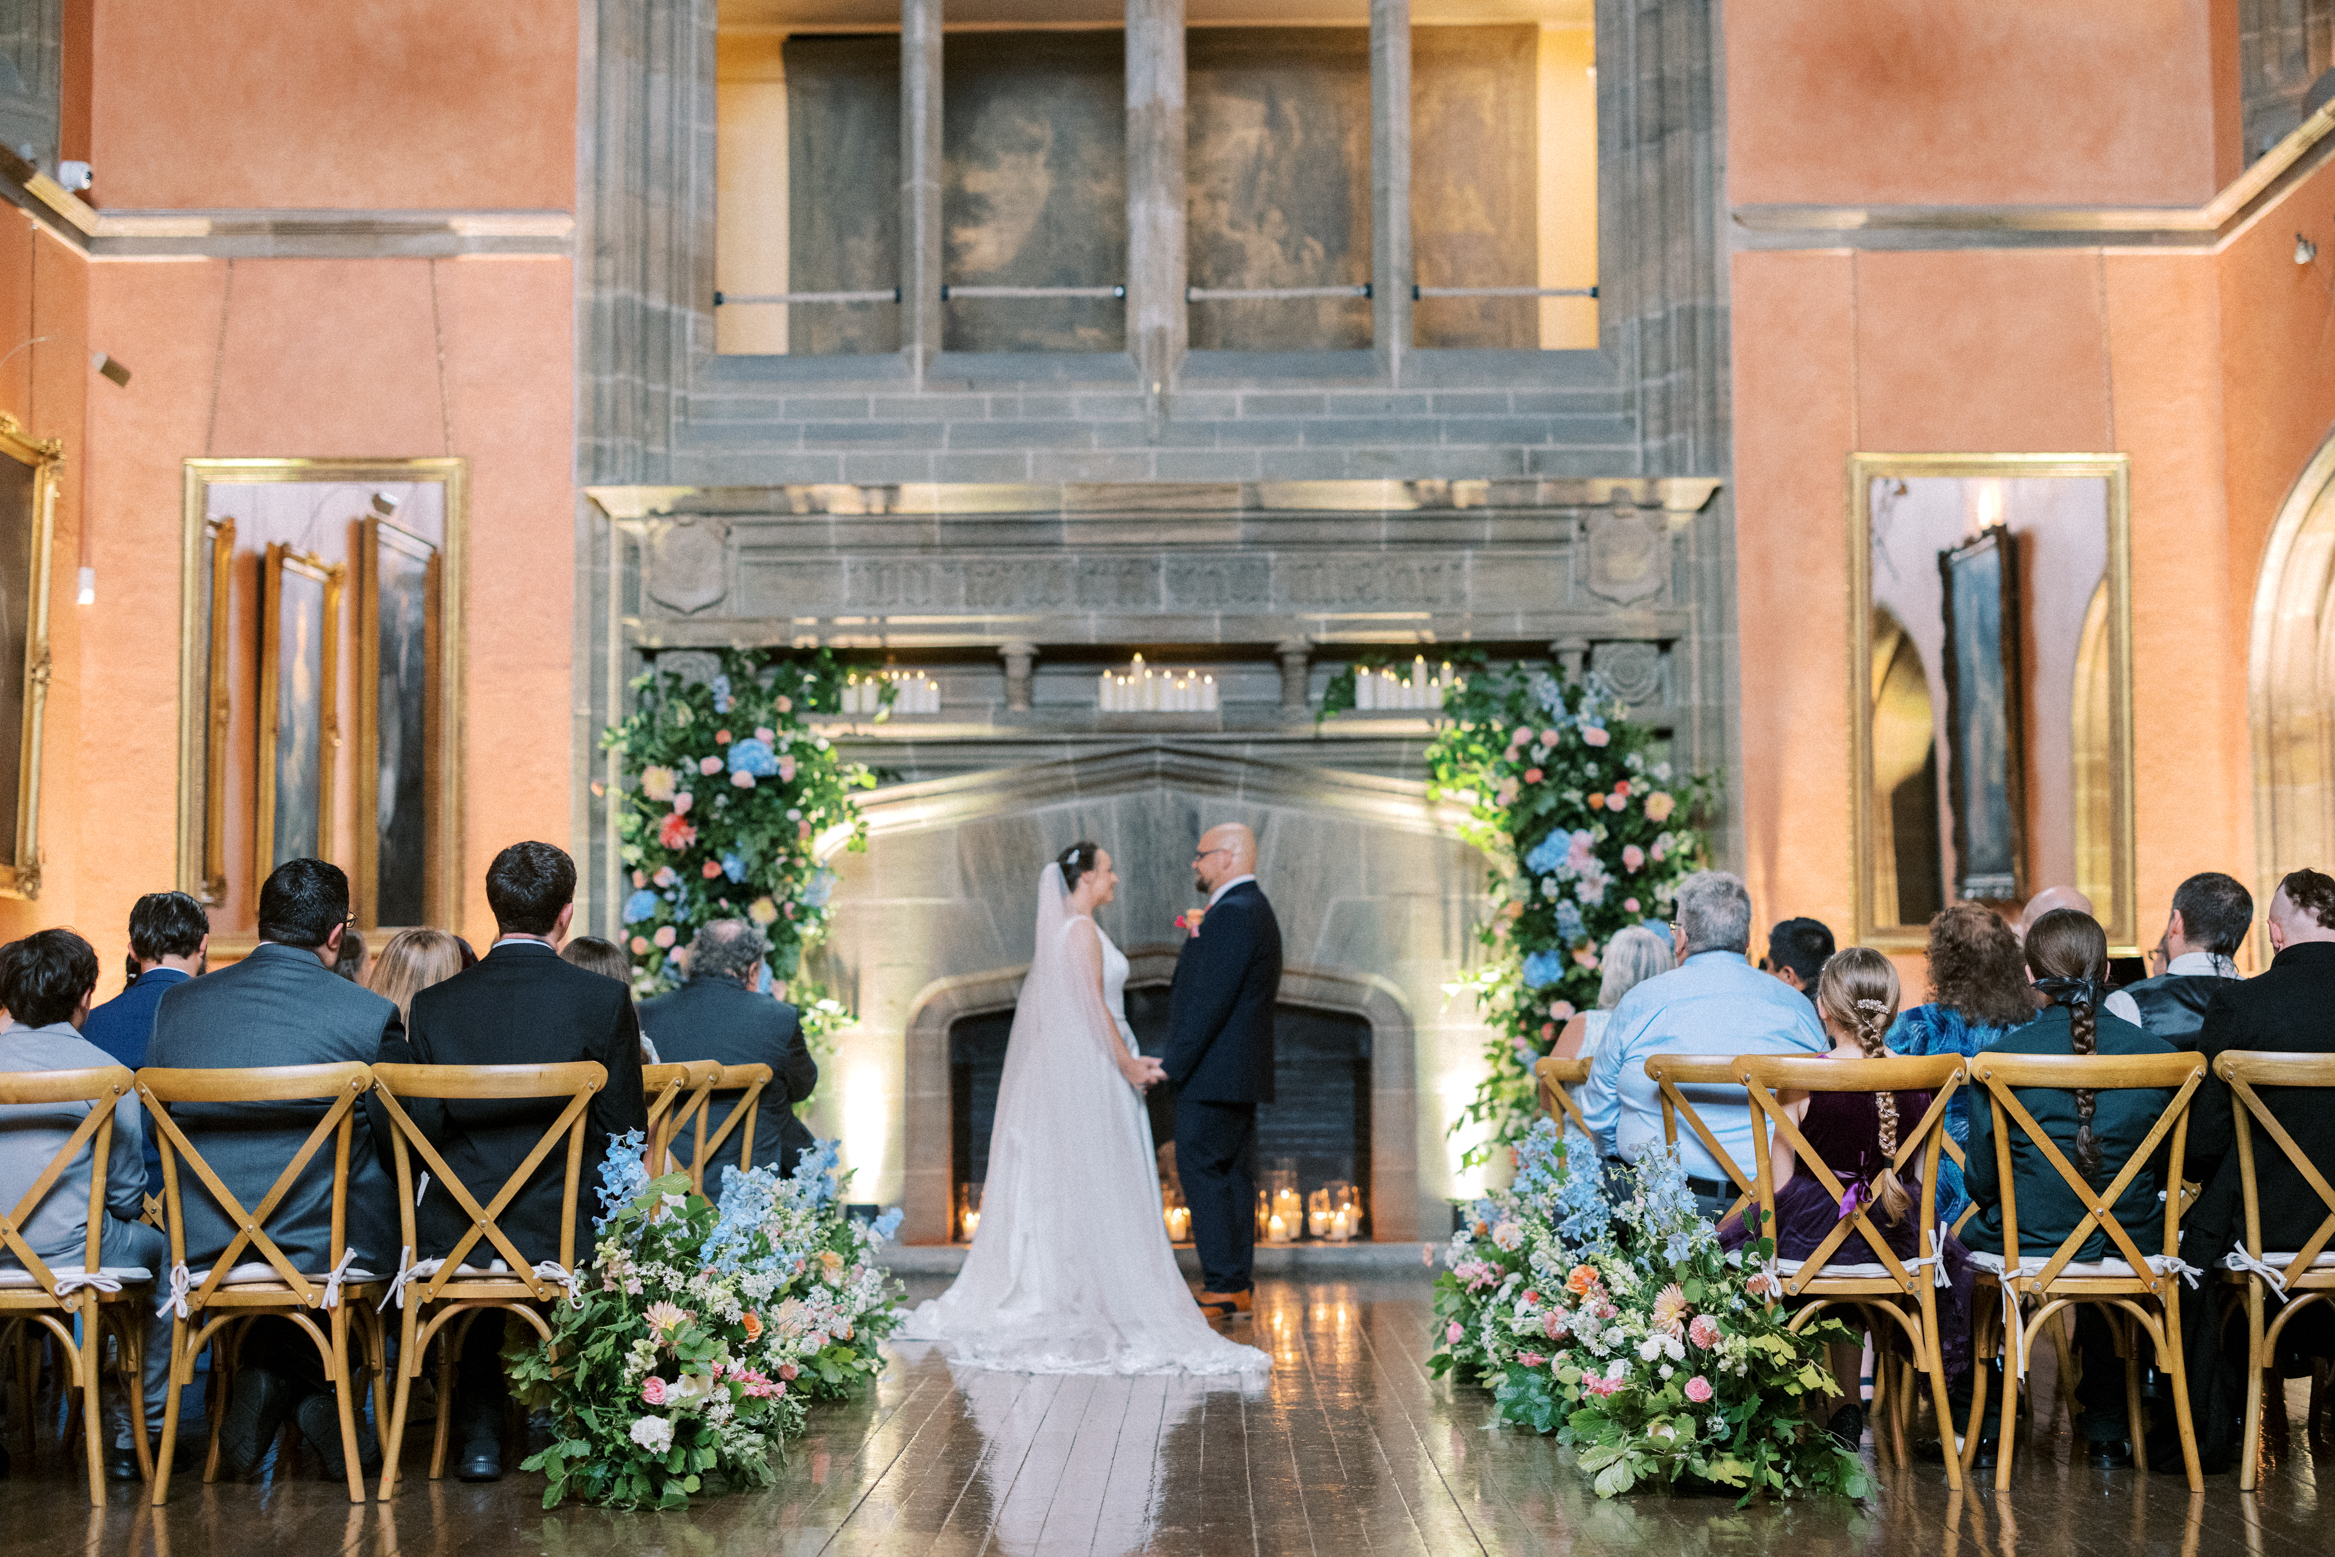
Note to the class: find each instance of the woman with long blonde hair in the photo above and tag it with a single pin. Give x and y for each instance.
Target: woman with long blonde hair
(413, 961)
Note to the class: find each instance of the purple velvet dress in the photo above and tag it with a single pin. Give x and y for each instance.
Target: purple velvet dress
(1844, 1130)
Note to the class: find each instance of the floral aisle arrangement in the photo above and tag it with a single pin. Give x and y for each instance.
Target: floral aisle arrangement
(702, 1331)
(729, 800)
(1589, 831)
(1626, 1330)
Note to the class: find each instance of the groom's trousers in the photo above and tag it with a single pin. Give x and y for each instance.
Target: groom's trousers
(1216, 1158)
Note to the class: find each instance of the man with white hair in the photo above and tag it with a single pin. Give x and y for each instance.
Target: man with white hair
(1714, 1003)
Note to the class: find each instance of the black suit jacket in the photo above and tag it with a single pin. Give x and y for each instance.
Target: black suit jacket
(1220, 1007)
(520, 1005)
(2172, 1005)
(2290, 1007)
(279, 1006)
(721, 1019)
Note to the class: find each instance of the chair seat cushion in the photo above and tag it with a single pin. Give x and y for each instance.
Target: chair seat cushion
(261, 1273)
(17, 1277)
(1992, 1264)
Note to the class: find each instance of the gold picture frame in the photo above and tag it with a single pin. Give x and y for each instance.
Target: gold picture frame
(2101, 823)
(299, 679)
(401, 576)
(219, 684)
(28, 509)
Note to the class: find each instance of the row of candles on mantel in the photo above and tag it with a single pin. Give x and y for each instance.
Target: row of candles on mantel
(1376, 690)
(1332, 1213)
(1145, 689)
(912, 694)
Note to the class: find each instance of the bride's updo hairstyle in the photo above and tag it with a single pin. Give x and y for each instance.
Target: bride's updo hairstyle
(1075, 862)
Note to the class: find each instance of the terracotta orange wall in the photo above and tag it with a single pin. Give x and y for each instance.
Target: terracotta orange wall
(357, 104)
(1979, 102)
(331, 358)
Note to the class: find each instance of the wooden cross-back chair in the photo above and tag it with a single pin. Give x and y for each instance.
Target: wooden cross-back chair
(2300, 1276)
(2140, 1289)
(1671, 1075)
(1555, 1080)
(77, 1306)
(676, 1095)
(252, 1277)
(445, 1291)
(1903, 1289)
(747, 1081)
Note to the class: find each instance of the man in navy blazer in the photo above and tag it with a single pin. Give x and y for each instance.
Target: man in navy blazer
(170, 940)
(1220, 1057)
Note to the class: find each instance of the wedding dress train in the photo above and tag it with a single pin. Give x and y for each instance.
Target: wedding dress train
(1071, 1270)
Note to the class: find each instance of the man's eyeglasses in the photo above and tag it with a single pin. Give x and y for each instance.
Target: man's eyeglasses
(1204, 853)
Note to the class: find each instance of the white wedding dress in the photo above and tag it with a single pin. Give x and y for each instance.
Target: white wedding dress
(1071, 1270)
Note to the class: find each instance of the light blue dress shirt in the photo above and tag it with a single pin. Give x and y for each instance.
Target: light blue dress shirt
(1714, 1003)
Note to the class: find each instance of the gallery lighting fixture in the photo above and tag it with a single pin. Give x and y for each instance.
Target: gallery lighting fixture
(111, 367)
(2305, 250)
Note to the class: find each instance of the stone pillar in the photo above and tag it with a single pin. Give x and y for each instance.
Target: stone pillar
(1156, 314)
(920, 180)
(1296, 673)
(1018, 656)
(1570, 654)
(1390, 184)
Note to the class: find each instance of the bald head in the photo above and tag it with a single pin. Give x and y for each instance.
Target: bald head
(1226, 851)
(2050, 899)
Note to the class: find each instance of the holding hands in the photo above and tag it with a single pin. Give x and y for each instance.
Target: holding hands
(1142, 1071)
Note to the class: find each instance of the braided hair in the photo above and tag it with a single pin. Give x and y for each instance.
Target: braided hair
(1858, 990)
(2067, 952)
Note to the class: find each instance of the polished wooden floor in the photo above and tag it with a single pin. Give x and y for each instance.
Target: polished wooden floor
(1350, 1449)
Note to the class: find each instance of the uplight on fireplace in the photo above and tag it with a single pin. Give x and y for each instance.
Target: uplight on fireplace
(1145, 689)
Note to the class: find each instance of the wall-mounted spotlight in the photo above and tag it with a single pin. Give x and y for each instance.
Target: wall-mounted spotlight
(75, 176)
(2305, 250)
(385, 505)
(111, 367)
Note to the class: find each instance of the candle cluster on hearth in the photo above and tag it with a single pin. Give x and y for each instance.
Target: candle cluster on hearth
(1391, 690)
(912, 693)
(1146, 689)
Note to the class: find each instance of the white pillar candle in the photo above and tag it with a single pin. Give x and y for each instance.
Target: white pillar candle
(1208, 694)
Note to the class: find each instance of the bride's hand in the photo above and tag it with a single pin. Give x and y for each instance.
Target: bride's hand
(1142, 1071)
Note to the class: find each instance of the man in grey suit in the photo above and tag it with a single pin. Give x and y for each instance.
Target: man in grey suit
(282, 1005)
(718, 1016)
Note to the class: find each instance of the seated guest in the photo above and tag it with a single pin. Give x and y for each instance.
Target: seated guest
(2067, 954)
(2289, 1008)
(170, 936)
(2051, 899)
(2210, 918)
(353, 963)
(607, 959)
(46, 982)
(1856, 1135)
(521, 1005)
(1714, 1003)
(411, 962)
(282, 1005)
(717, 1015)
(1796, 953)
(1633, 956)
(1979, 996)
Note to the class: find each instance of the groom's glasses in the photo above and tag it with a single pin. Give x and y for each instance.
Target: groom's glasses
(1204, 853)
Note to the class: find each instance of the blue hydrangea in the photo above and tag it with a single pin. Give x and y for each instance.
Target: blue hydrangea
(1587, 1218)
(721, 694)
(1543, 968)
(1569, 925)
(886, 1225)
(815, 1173)
(1548, 855)
(754, 756)
(623, 1176)
(746, 1198)
(734, 866)
(641, 905)
(1548, 692)
(820, 889)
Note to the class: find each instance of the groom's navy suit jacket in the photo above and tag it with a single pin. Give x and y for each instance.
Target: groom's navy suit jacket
(1220, 1007)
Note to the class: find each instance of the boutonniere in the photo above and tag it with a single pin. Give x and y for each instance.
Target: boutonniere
(1189, 920)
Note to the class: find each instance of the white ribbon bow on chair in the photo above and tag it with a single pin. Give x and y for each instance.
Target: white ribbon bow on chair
(2174, 1265)
(2239, 1259)
(1936, 1261)
(2014, 1324)
(336, 1276)
(552, 1270)
(72, 1281)
(181, 1283)
(408, 1269)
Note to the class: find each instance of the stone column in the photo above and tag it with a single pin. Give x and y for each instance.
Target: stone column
(1390, 184)
(1156, 315)
(1018, 657)
(1570, 653)
(920, 176)
(1296, 673)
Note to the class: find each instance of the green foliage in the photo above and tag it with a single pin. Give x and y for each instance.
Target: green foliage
(728, 803)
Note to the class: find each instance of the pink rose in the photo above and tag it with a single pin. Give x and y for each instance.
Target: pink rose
(1660, 849)
(1595, 735)
(1698, 1389)
(1552, 1324)
(1532, 775)
(1704, 1332)
(1453, 1333)
(1561, 1011)
(1523, 734)
(742, 779)
(709, 765)
(1617, 802)
(1633, 857)
(721, 737)
(712, 869)
(786, 769)
(1548, 1030)
(653, 1390)
(664, 937)
(1621, 786)
(640, 878)
(1427, 1255)
(1629, 905)
(786, 705)
(640, 945)
(676, 833)
(1586, 956)
(765, 734)
(682, 802)
(1549, 737)
(665, 876)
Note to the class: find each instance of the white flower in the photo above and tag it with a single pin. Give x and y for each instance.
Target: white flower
(1618, 1369)
(1650, 1348)
(1718, 1426)
(653, 1433)
(1666, 1370)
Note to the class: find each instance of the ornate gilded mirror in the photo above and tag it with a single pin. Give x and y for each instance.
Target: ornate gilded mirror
(28, 512)
(1990, 678)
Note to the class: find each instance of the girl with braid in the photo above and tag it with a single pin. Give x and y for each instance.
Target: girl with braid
(2067, 958)
(1857, 1135)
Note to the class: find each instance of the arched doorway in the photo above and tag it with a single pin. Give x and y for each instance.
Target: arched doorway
(2291, 680)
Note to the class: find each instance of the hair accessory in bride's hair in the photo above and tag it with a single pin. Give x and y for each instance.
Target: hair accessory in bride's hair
(1075, 861)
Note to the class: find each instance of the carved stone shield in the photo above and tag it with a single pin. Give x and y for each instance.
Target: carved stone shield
(688, 564)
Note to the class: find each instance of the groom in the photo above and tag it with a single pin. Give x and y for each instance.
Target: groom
(1220, 1056)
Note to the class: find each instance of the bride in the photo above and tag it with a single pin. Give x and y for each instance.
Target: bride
(1071, 1271)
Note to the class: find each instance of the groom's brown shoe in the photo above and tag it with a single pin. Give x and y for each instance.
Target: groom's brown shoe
(1226, 1305)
